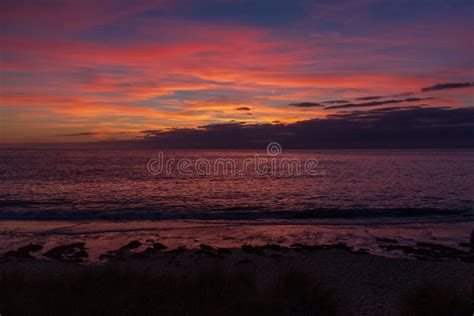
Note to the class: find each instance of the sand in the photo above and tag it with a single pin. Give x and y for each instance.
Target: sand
(369, 284)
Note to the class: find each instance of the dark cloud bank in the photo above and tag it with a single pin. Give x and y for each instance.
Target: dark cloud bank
(445, 86)
(396, 127)
(373, 103)
(343, 104)
(306, 105)
(243, 108)
(78, 134)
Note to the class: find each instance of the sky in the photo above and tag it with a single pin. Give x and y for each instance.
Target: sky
(80, 71)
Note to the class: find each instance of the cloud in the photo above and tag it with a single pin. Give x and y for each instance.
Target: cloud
(374, 103)
(90, 134)
(222, 126)
(451, 85)
(335, 102)
(243, 108)
(396, 127)
(305, 105)
(78, 134)
(370, 98)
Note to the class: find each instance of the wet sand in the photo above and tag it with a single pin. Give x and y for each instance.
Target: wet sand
(389, 240)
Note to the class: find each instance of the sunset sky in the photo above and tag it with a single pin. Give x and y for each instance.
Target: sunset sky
(113, 69)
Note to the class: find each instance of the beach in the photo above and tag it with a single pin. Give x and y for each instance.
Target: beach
(363, 278)
(363, 284)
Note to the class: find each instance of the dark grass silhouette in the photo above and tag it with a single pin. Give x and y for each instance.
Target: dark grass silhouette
(127, 289)
(436, 300)
(114, 290)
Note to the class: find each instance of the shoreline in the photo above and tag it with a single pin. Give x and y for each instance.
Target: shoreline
(423, 241)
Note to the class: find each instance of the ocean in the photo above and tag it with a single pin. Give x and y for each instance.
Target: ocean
(347, 184)
(239, 196)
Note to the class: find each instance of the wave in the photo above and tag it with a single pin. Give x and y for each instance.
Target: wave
(327, 215)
